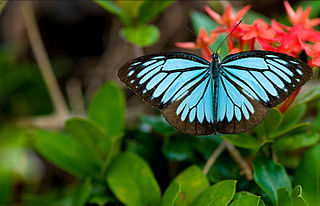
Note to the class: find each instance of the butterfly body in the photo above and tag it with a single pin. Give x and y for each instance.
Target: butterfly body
(229, 96)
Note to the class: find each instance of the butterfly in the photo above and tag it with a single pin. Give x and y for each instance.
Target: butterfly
(229, 96)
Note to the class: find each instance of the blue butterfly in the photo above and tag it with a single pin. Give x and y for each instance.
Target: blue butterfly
(229, 96)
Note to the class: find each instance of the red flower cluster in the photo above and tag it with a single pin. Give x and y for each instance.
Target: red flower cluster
(260, 35)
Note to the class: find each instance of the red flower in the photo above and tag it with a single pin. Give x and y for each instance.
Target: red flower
(260, 31)
(300, 17)
(202, 42)
(228, 17)
(314, 52)
(292, 38)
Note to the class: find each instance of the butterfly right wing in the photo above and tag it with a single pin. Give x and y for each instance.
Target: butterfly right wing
(252, 82)
(177, 83)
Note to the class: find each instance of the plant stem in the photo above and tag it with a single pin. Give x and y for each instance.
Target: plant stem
(42, 58)
(138, 51)
(214, 157)
(241, 162)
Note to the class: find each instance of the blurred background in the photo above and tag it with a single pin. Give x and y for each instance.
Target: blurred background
(55, 55)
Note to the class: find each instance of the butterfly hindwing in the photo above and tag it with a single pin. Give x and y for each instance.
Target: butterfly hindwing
(252, 82)
(177, 83)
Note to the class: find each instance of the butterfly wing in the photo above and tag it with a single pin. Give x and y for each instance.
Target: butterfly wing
(252, 82)
(177, 83)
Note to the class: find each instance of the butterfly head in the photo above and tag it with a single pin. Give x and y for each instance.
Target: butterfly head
(215, 57)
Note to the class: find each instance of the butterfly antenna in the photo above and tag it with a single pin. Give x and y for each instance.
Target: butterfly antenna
(199, 38)
(218, 49)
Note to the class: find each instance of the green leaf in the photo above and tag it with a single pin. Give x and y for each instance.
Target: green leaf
(270, 177)
(308, 175)
(159, 124)
(142, 35)
(243, 140)
(6, 187)
(113, 8)
(297, 198)
(83, 193)
(67, 153)
(130, 8)
(270, 124)
(296, 141)
(171, 194)
(192, 182)
(284, 197)
(131, 180)
(200, 20)
(107, 109)
(180, 147)
(307, 96)
(90, 134)
(150, 9)
(290, 119)
(246, 200)
(251, 16)
(220, 194)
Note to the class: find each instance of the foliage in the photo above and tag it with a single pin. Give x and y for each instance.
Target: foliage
(135, 16)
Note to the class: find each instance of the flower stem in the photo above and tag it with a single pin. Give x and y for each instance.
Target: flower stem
(60, 106)
(241, 162)
(214, 157)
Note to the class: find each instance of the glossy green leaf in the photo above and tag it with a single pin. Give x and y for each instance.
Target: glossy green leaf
(131, 180)
(243, 140)
(180, 147)
(297, 141)
(269, 125)
(246, 200)
(297, 198)
(142, 36)
(290, 119)
(220, 194)
(192, 182)
(159, 124)
(130, 8)
(171, 194)
(284, 197)
(83, 193)
(307, 96)
(308, 175)
(150, 9)
(270, 177)
(107, 109)
(251, 16)
(6, 187)
(113, 8)
(90, 134)
(67, 153)
(201, 20)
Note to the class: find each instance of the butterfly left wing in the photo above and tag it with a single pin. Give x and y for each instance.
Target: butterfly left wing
(252, 82)
(177, 83)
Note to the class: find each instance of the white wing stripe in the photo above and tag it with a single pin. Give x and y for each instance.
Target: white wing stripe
(249, 62)
(164, 84)
(149, 68)
(265, 83)
(272, 77)
(172, 64)
(155, 80)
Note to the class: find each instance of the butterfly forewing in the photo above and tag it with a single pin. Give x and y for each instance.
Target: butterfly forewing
(177, 83)
(252, 82)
